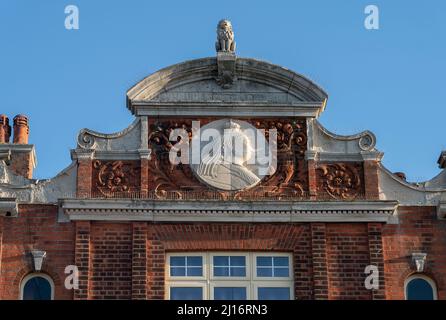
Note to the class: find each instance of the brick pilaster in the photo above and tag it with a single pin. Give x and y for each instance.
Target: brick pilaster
(319, 253)
(371, 181)
(377, 258)
(139, 261)
(144, 175)
(84, 174)
(155, 266)
(82, 259)
(312, 187)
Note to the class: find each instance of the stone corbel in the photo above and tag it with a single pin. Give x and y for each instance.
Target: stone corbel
(145, 153)
(419, 259)
(226, 62)
(38, 256)
(9, 207)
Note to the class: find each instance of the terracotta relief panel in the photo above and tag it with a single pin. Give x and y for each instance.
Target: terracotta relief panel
(115, 178)
(289, 180)
(340, 181)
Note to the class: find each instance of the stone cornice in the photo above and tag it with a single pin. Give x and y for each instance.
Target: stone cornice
(225, 109)
(109, 155)
(341, 157)
(231, 211)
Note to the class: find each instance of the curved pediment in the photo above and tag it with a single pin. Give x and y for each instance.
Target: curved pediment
(194, 85)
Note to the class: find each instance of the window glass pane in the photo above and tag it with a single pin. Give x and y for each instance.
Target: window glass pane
(281, 262)
(238, 261)
(264, 261)
(177, 271)
(195, 261)
(264, 272)
(221, 271)
(229, 266)
(281, 272)
(37, 288)
(194, 271)
(273, 293)
(186, 293)
(419, 289)
(229, 293)
(221, 261)
(177, 261)
(238, 272)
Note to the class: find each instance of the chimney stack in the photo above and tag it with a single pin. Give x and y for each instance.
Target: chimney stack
(19, 156)
(21, 129)
(5, 129)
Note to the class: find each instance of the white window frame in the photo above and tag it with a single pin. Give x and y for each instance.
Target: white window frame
(423, 277)
(231, 254)
(186, 278)
(34, 275)
(188, 284)
(265, 254)
(208, 281)
(229, 284)
(275, 284)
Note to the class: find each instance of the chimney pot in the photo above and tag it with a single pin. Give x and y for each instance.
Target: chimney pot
(5, 129)
(21, 129)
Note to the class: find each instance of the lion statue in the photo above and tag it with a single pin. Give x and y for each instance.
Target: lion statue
(225, 37)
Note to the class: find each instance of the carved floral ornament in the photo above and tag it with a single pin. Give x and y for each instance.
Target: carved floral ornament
(340, 181)
(114, 177)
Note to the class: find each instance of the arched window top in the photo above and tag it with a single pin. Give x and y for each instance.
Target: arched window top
(420, 287)
(37, 286)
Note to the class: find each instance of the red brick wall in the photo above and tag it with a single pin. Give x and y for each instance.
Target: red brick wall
(111, 261)
(347, 257)
(127, 260)
(36, 227)
(419, 230)
(21, 164)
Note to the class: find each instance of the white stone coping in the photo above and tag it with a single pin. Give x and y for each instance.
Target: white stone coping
(20, 148)
(229, 211)
(204, 69)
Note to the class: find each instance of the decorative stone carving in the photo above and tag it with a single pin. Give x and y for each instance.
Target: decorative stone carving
(226, 69)
(289, 181)
(229, 170)
(341, 181)
(38, 256)
(85, 140)
(165, 177)
(366, 142)
(225, 37)
(291, 177)
(419, 260)
(226, 59)
(115, 177)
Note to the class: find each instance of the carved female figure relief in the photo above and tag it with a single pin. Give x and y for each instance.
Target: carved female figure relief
(224, 167)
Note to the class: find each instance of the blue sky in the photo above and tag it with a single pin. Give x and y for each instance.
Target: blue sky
(389, 81)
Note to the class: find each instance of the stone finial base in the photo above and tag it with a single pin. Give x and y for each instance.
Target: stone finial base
(226, 69)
